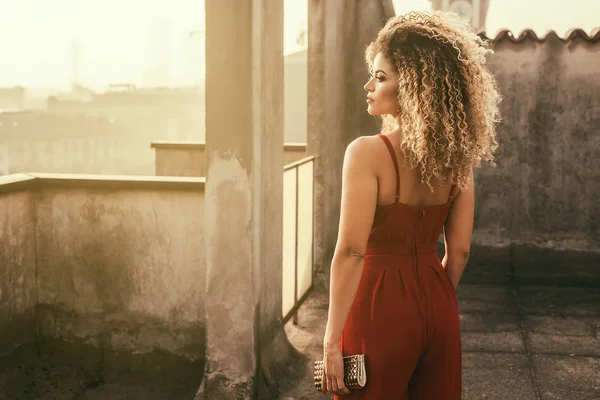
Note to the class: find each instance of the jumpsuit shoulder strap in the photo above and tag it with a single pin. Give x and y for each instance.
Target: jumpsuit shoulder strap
(392, 152)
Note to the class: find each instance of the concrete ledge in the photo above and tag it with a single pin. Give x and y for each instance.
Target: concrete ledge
(17, 182)
(294, 146)
(178, 145)
(188, 158)
(163, 144)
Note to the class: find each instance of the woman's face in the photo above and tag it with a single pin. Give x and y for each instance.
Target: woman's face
(382, 88)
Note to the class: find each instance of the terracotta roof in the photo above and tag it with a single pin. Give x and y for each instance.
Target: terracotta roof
(529, 34)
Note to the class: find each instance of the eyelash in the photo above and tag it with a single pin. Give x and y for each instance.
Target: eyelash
(379, 78)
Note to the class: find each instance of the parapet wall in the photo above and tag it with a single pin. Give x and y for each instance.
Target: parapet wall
(544, 190)
(113, 262)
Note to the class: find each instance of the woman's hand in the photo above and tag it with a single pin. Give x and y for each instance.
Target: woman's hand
(333, 372)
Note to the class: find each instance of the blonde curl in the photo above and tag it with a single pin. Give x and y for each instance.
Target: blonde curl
(448, 102)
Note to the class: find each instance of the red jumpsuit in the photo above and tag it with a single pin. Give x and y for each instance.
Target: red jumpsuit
(404, 317)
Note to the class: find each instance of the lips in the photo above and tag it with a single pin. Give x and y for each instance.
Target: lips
(370, 99)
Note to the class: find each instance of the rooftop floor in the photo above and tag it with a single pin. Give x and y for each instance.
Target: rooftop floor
(528, 333)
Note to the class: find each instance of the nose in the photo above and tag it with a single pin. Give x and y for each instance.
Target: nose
(369, 85)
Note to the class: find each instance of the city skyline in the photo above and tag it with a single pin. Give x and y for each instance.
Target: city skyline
(114, 38)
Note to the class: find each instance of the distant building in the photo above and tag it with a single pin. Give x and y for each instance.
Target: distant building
(41, 141)
(144, 115)
(473, 10)
(78, 93)
(83, 131)
(12, 98)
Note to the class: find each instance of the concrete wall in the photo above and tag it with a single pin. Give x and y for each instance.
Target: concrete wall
(119, 262)
(179, 158)
(188, 158)
(293, 152)
(18, 288)
(338, 37)
(545, 189)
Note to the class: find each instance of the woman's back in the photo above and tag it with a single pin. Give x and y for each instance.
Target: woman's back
(417, 197)
(412, 190)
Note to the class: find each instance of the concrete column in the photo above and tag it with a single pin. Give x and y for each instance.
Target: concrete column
(246, 344)
(480, 9)
(315, 126)
(338, 35)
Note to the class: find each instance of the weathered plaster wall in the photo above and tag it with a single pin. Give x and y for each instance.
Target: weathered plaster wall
(122, 269)
(545, 189)
(179, 158)
(115, 264)
(101, 282)
(18, 291)
(247, 349)
(293, 152)
(338, 37)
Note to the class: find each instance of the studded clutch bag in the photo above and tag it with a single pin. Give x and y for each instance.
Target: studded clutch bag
(355, 374)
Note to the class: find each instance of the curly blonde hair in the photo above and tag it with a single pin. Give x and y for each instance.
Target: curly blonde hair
(448, 102)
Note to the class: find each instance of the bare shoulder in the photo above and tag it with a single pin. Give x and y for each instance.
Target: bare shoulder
(364, 149)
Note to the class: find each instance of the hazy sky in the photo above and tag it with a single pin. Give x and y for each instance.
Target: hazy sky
(539, 15)
(116, 45)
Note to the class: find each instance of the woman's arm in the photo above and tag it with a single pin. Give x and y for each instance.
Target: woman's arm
(359, 200)
(457, 232)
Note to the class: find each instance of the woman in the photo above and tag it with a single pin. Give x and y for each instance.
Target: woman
(391, 298)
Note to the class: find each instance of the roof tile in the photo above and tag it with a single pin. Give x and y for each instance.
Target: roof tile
(529, 34)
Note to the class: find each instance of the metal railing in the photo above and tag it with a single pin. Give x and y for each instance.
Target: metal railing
(298, 234)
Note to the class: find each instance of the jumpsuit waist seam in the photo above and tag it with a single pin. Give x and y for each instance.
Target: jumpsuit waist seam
(402, 250)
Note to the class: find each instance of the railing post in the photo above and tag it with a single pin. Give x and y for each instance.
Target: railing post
(296, 306)
(299, 299)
